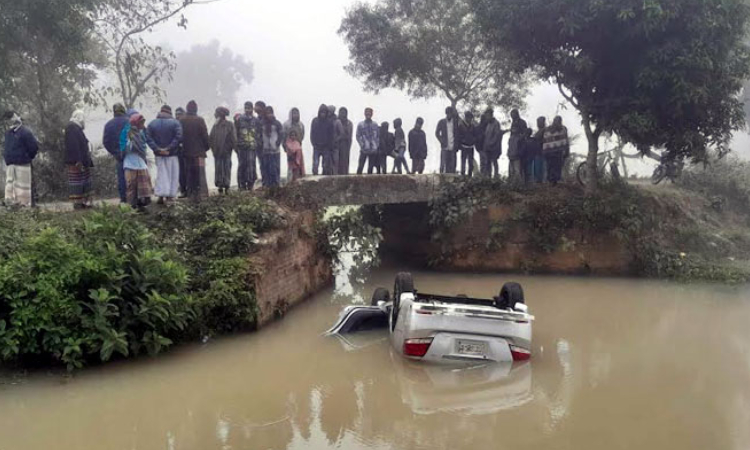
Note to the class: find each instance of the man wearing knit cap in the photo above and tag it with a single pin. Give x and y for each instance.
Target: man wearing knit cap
(223, 140)
(179, 114)
(195, 145)
(111, 140)
(164, 136)
(20, 149)
(248, 140)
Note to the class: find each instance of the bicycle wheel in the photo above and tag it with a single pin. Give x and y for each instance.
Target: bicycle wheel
(659, 174)
(614, 171)
(582, 174)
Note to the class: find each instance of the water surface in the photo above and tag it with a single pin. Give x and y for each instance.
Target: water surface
(617, 364)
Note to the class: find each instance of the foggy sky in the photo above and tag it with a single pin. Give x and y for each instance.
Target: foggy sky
(299, 61)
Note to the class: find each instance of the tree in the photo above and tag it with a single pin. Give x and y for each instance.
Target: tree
(428, 47)
(48, 60)
(222, 74)
(139, 67)
(658, 73)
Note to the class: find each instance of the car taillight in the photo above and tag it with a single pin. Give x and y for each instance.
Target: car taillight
(520, 354)
(417, 347)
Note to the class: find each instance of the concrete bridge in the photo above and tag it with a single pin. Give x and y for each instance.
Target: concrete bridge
(371, 189)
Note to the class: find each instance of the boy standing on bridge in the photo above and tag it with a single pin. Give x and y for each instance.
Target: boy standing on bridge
(368, 138)
(418, 147)
(400, 148)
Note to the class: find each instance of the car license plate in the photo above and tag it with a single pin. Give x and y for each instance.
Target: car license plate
(475, 348)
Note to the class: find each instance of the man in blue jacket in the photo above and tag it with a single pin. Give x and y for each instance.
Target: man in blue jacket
(111, 140)
(20, 150)
(164, 136)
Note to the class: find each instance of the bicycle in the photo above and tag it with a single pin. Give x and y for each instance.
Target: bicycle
(604, 161)
(667, 168)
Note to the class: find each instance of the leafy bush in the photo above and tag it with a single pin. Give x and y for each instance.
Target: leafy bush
(214, 240)
(86, 287)
(349, 232)
(225, 296)
(102, 288)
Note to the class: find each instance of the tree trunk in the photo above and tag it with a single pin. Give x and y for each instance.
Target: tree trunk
(592, 184)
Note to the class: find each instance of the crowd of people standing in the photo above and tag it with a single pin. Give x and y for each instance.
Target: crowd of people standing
(180, 144)
(533, 155)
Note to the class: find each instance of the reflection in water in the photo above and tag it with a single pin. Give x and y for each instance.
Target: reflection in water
(617, 364)
(478, 390)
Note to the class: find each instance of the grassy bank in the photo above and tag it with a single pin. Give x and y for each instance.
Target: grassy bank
(87, 287)
(697, 231)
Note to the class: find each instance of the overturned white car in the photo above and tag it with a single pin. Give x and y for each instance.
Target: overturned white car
(438, 328)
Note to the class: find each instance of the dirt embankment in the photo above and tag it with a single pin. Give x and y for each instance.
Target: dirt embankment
(631, 231)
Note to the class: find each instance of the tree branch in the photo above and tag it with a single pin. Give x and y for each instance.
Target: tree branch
(567, 97)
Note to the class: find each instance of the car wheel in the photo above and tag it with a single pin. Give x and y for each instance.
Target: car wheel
(380, 295)
(404, 283)
(511, 294)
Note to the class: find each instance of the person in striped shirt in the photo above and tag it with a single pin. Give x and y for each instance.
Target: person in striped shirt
(556, 149)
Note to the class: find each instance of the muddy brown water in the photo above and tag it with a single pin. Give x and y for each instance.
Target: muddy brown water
(617, 364)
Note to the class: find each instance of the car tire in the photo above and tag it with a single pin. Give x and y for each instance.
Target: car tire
(380, 295)
(404, 283)
(511, 294)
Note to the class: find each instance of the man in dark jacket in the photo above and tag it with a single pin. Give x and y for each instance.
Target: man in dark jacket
(345, 143)
(386, 148)
(248, 143)
(195, 145)
(338, 135)
(447, 135)
(223, 141)
(400, 148)
(467, 138)
(518, 135)
(179, 114)
(19, 152)
(418, 147)
(493, 143)
(479, 132)
(164, 136)
(322, 138)
(111, 140)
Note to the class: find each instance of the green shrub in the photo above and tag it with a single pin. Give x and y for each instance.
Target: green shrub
(103, 288)
(214, 239)
(225, 295)
(81, 288)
